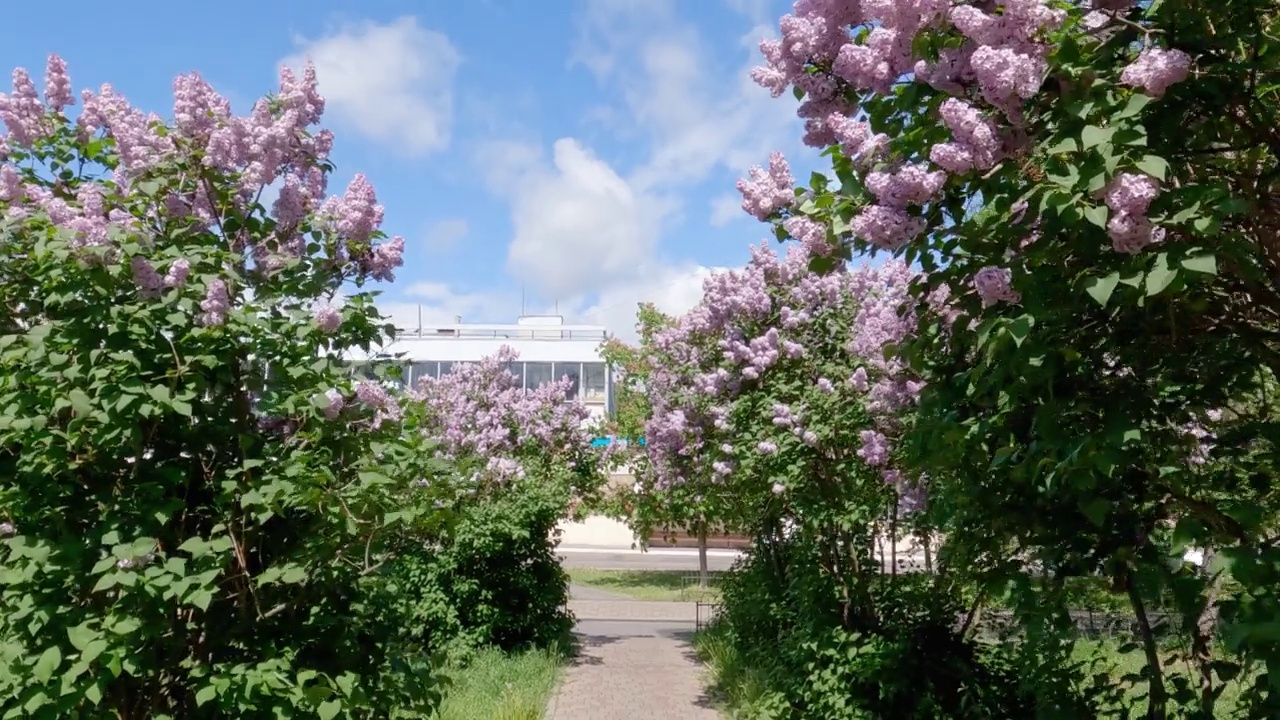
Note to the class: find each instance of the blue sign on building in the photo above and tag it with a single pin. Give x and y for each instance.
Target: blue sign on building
(607, 441)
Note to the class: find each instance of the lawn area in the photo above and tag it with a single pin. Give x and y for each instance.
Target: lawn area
(498, 686)
(677, 585)
(1123, 664)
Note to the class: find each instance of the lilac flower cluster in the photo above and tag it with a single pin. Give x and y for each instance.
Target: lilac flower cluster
(765, 192)
(328, 318)
(481, 411)
(277, 144)
(994, 59)
(1156, 69)
(1129, 196)
(373, 396)
(216, 303)
(994, 285)
(775, 317)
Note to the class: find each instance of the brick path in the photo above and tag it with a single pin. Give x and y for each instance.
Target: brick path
(634, 662)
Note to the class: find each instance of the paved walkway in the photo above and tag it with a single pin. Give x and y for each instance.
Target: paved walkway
(634, 662)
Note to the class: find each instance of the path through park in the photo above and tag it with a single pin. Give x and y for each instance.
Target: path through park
(635, 662)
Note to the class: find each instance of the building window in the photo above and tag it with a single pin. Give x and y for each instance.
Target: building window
(445, 367)
(594, 382)
(517, 371)
(537, 374)
(424, 370)
(573, 371)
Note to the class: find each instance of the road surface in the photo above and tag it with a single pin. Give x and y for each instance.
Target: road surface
(671, 560)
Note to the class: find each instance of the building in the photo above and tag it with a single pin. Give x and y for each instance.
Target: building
(548, 350)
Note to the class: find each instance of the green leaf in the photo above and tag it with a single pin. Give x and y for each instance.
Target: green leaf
(181, 407)
(205, 694)
(81, 635)
(1160, 276)
(1100, 289)
(80, 402)
(329, 709)
(1065, 145)
(1135, 105)
(1095, 510)
(1206, 264)
(1020, 328)
(1154, 166)
(293, 574)
(1093, 136)
(47, 664)
(373, 478)
(106, 582)
(1096, 214)
(195, 546)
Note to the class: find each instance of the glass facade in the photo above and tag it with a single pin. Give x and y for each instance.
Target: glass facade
(538, 373)
(571, 371)
(589, 380)
(595, 380)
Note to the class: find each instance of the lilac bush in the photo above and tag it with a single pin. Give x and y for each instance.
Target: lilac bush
(521, 460)
(193, 498)
(480, 413)
(1092, 184)
(774, 396)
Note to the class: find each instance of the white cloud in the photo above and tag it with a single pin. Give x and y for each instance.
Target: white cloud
(699, 113)
(391, 82)
(431, 303)
(444, 234)
(587, 233)
(725, 209)
(673, 290)
(755, 10)
(578, 226)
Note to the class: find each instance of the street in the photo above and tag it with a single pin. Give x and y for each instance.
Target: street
(676, 559)
(670, 560)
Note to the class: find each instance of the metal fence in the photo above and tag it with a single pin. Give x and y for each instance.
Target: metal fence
(705, 614)
(1088, 624)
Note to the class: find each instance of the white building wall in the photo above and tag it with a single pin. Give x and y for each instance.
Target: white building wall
(535, 339)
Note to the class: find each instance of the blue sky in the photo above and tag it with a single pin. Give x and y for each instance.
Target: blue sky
(584, 151)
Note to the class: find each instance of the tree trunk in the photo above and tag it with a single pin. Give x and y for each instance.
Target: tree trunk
(893, 540)
(702, 555)
(928, 553)
(1203, 635)
(1157, 697)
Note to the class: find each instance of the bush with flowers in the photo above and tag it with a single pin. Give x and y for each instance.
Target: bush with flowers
(1093, 188)
(775, 404)
(193, 495)
(523, 457)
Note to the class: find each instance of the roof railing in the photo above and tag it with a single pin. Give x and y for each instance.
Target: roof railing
(503, 332)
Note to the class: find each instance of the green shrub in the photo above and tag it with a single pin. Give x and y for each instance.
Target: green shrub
(907, 661)
(492, 578)
(189, 517)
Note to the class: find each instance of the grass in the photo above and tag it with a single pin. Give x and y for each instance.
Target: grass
(740, 691)
(500, 686)
(1122, 664)
(648, 584)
